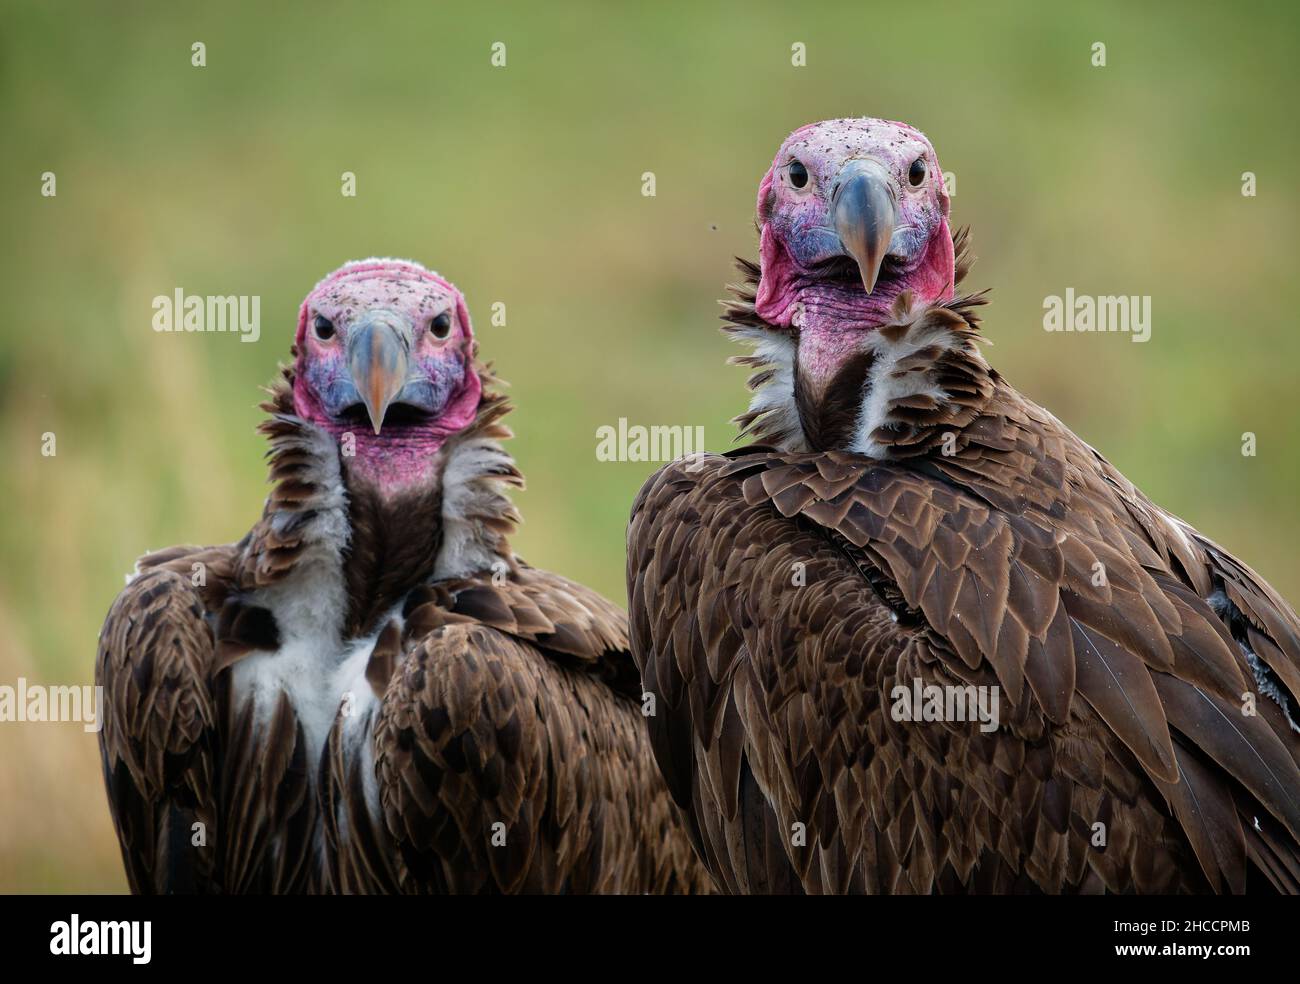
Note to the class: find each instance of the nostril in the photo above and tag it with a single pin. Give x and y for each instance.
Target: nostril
(354, 413)
(396, 416)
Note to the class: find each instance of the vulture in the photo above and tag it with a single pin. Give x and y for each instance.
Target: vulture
(370, 692)
(918, 637)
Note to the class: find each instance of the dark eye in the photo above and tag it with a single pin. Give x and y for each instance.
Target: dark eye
(323, 328)
(798, 174)
(441, 325)
(916, 173)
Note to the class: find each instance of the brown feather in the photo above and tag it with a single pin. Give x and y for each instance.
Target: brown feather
(778, 596)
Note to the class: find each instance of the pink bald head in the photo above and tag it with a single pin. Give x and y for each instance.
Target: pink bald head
(845, 204)
(385, 354)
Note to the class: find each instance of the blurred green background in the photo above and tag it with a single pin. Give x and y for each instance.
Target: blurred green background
(523, 184)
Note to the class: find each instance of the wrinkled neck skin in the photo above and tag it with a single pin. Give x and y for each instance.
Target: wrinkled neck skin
(395, 535)
(843, 372)
(398, 461)
(836, 317)
(332, 522)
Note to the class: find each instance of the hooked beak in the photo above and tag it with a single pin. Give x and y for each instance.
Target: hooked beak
(378, 361)
(862, 206)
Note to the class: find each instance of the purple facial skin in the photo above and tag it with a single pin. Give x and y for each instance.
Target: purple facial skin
(853, 213)
(385, 355)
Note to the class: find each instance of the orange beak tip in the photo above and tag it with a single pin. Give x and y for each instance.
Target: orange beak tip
(377, 361)
(376, 418)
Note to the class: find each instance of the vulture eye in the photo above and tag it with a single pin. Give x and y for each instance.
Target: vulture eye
(916, 173)
(323, 328)
(798, 174)
(441, 325)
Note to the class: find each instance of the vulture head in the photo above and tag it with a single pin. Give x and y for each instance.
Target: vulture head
(852, 213)
(854, 250)
(385, 352)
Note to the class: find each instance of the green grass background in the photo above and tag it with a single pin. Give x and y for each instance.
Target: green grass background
(523, 185)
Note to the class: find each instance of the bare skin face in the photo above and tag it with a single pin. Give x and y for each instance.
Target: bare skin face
(853, 214)
(385, 354)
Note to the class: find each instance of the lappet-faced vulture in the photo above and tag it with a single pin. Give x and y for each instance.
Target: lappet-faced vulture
(370, 691)
(923, 638)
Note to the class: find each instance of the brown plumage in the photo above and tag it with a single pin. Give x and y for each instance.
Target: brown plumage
(370, 691)
(504, 749)
(779, 595)
(205, 797)
(478, 738)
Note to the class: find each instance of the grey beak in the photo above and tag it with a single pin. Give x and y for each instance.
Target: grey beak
(378, 362)
(862, 206)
